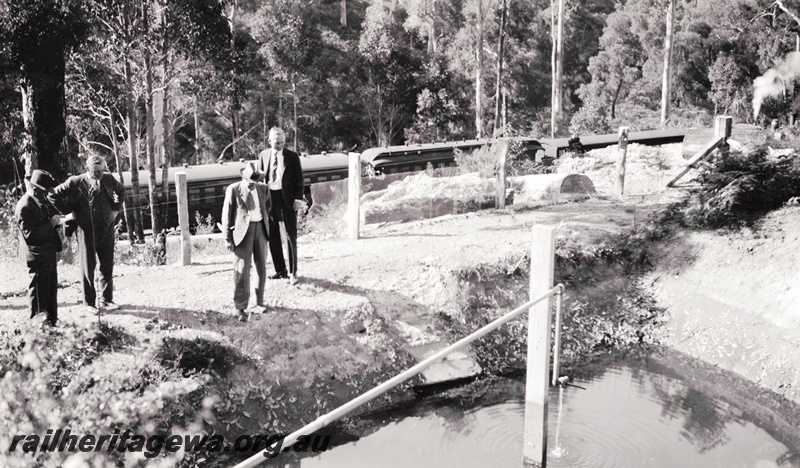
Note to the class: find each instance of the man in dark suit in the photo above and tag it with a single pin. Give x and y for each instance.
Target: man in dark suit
(284, 177)
(94, 198)
(37, 220)
(245, 216)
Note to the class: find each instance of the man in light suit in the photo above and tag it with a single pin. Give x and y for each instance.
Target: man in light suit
(245, 216)
(95, 198)
(284, 177)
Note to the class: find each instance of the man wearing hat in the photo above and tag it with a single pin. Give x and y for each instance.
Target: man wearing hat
(245, 218)
(37, 220)
(95, 199)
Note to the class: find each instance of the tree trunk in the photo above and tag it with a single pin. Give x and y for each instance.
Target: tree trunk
(560, 63)
(499, 82)
(126, 211)
(166, 147)
(197, 156)
(136, 214)
(294, 117)
(432, 38)
(155, 219)
(667, 79)
(557, 57)
(43, 109)
(479, 74)
(234, 81)
(553, 59)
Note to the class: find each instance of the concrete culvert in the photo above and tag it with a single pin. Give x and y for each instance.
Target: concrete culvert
(545, 186)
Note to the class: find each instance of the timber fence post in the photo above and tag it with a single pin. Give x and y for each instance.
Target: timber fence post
(182, 195)
(622, 153)
(500, 195)
(534, 449)
(354, 196)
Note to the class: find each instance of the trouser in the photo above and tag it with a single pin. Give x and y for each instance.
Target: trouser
(280, 212)
(252, 249)
(43, 287)
(93, 248)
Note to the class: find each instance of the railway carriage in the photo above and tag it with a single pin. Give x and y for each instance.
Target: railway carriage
(206, 183)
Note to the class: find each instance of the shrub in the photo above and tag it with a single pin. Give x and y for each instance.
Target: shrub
(482, 160)
(9, 235)
(204, 225)
(148, 254)
(65, 378)
(742, 187)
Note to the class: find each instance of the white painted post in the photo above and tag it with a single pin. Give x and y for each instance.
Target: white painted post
(502, 155)
(534, 448)
(182, 194)
(622, 154)
(354, 196)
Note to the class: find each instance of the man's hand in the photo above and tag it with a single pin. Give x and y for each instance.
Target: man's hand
(70, 226)
(299, 205)
(55, 220)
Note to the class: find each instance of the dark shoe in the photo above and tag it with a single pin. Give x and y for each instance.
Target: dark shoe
(243, 316)
(281, 275)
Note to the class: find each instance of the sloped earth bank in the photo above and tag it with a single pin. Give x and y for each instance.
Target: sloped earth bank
(734, 299)
(174, 358)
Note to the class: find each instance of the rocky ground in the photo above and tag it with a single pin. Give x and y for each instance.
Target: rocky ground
(362, 307)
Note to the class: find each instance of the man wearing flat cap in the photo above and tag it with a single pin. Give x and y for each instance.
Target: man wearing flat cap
(37, 220)
(95, 199)
(245, 218)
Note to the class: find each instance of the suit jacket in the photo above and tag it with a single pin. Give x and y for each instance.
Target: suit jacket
(75, 195)
(292, 180)
(236, 216)
(34, 224)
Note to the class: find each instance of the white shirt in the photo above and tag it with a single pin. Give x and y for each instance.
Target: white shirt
(276, 184)
(255, 213)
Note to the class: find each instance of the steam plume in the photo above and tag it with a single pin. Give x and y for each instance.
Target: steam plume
(774, 81)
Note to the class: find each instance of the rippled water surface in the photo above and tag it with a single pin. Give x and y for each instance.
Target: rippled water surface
(627, 417)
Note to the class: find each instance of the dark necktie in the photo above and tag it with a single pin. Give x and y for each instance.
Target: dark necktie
(275, 167)
(251, 203)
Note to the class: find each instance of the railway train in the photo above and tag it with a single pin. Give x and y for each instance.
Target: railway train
(206, 183)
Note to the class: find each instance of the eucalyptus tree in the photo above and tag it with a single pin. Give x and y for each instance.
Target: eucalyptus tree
(35, 38)
(390, 73)
(290, 39)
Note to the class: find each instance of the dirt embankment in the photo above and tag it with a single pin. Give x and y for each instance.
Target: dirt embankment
(734, 299)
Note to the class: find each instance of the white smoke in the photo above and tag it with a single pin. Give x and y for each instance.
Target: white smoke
(775, 80)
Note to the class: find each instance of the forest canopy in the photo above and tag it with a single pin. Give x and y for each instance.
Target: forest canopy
(168, 82)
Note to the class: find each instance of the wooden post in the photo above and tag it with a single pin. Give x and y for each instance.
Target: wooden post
(501, 173)
(354, 196)
(705, 151)
(534, 449)
(723, 126)
(622, 153)
(182, 195)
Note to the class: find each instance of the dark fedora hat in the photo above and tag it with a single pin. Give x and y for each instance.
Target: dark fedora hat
(250, 171)
(42, 180)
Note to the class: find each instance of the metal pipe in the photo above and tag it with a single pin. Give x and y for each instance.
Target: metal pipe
(346, 408)
(557, 344)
